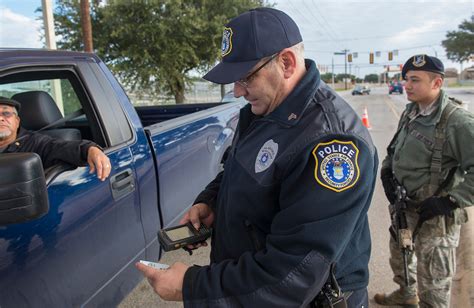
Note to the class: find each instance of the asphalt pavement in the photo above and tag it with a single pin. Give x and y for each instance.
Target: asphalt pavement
(383, 113)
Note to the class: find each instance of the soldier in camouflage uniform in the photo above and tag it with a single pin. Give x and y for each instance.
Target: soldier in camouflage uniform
(432, 157)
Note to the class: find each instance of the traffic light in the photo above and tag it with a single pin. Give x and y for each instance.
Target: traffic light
(371, 58)
(349, 57)
(390, 56)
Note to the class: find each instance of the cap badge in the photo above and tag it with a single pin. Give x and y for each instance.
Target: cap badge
(419, 60)
(337, 165)
(226, 46)
(266, 156)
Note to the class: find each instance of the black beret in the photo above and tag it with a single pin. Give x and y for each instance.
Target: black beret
(10, 102)
(423, 63)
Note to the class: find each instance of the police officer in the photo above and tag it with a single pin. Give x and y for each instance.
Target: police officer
(432, 157)
(289, 211)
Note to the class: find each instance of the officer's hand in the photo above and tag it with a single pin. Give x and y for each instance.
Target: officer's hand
(435, 206)
(197, 214)
(168, 284)
(389, 185)
(99, 162)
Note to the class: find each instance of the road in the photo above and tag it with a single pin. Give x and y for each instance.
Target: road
(383, 111)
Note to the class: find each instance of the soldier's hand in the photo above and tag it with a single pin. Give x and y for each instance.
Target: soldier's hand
(435, 206)
(389, 185)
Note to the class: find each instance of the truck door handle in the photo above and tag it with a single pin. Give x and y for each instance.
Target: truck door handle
(122, 183)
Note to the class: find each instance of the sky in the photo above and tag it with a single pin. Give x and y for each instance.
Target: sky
(409, 27)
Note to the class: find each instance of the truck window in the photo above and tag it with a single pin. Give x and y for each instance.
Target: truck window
(59, 88)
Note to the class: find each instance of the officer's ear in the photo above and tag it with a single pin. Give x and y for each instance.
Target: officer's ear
(287, 60)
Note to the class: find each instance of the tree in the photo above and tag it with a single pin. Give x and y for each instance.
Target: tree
(327, 77)
(374, 78)
(153, 44)
(341, 77)
(459, 45)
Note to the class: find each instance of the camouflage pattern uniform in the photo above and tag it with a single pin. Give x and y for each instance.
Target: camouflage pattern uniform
(433, 263)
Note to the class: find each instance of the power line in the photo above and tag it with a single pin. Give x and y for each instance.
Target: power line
(378, 37)
(325, 20)
(322, 25)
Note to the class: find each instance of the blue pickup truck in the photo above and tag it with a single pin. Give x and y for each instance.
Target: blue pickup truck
(66, 238)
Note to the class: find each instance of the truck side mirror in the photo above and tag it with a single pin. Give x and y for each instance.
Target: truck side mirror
(23, 192)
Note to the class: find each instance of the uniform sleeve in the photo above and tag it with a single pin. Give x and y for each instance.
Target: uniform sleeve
(52, 150)
(460, 137)
(319, 221)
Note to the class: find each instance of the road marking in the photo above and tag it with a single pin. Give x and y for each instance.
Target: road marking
(392, 108)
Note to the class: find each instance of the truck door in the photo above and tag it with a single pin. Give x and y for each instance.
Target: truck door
(81, 253)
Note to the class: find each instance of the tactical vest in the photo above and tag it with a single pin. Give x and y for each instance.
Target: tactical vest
(434, 186)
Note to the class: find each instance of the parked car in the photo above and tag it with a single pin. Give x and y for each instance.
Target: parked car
(361, 90)
(68, 239)
(395, 86)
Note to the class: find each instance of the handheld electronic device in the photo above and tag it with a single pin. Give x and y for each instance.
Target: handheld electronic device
(182, 235)
(159, 266)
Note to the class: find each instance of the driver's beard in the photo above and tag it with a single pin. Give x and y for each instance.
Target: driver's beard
(5, 135)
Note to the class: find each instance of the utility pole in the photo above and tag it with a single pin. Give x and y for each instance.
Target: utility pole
(86, 26)
(332, 75)
(344, 52)
(48, 20)
(48, 24)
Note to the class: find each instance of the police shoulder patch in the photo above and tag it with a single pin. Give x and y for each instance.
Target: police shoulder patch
(226, 46)
(337, 165)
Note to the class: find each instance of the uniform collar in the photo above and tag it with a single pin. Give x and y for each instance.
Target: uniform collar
(433, 115)
(292, 108)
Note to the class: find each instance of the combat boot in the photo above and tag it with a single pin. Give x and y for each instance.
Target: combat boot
(397, 298)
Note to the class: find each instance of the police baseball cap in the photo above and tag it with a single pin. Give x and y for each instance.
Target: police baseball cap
(250, 37)
(423, 63)
(10, 102)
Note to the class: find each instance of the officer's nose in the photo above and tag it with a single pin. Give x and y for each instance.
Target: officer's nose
(239, 90)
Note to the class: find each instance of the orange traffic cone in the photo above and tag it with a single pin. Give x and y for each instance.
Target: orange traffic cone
(365, 118)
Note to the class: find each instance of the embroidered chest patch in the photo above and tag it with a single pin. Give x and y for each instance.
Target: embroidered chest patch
(266, 156)
(336, 164)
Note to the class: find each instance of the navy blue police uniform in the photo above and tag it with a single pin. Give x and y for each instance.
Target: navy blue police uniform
(292, 200)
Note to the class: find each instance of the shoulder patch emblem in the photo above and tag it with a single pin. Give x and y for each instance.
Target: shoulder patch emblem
(226, 46)
(337, 165)
(266, 156)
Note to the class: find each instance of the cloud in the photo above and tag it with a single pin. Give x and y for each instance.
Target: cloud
(18, 30)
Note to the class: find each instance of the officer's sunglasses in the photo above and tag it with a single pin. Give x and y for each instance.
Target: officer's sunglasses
(245, 82)
(7, 114)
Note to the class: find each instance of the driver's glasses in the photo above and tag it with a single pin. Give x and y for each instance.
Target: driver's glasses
(7, 114)
(245, 82)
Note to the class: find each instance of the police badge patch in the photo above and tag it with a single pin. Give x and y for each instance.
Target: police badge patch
(266, 156)
(226, 46)
(419, 60)
(336, 164)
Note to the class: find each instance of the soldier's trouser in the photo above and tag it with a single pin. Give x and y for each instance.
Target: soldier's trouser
(462, 291)
(432, 266)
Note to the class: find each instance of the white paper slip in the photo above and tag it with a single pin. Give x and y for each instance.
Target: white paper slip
(160, 266)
